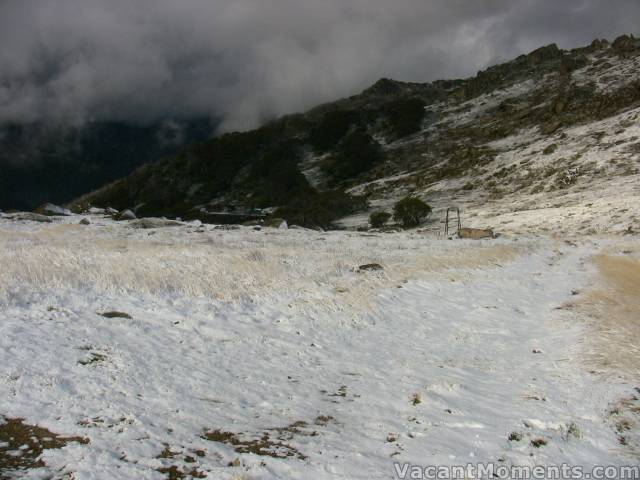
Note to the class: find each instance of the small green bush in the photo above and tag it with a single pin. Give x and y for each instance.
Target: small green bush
(411, 212)
(378, 219)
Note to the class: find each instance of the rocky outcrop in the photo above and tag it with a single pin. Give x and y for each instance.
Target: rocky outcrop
(625, 45)
(543, 54)
(125, 215)
(31, 217)
(51, 210)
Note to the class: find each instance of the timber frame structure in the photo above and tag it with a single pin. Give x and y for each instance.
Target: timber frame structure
(453, 215)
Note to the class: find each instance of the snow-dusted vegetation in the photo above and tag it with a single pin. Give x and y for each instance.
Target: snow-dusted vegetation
(195, 351)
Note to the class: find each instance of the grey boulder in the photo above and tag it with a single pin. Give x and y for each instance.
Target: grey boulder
(51, 210)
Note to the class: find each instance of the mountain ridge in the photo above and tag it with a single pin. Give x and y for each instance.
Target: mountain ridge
(445, 141)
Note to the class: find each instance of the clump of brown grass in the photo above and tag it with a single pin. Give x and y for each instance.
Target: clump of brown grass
(614, 312)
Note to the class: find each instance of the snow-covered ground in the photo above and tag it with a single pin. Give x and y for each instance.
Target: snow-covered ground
(272, 342)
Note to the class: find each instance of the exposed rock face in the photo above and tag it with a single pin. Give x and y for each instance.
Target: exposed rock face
(599, 44)
(52, 210)
(625, 44)
(385, 87)
(85, 221)
(542, 54)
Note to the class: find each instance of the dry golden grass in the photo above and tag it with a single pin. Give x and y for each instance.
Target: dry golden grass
(614, 312)
(232, 266)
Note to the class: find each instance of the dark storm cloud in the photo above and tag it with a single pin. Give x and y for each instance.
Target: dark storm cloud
(76, 60)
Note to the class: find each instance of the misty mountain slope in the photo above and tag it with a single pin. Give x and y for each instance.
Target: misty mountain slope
(548, 140)
(50, 162)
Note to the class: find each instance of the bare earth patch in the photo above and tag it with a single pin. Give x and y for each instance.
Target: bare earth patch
(21, 445)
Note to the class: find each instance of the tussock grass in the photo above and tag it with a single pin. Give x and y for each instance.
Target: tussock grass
(236, 266)
(614, 312)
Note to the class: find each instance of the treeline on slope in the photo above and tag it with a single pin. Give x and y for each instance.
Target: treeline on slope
(261, 168)
(399, 117)
(46, 162)
(260, 163)
(346, 134)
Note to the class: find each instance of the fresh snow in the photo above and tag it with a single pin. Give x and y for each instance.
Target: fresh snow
(589, 184)
(435, 360)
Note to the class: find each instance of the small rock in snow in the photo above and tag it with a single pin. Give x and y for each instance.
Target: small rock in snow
(370, 267)
(115, 314)
(125, 215)
(52, 210)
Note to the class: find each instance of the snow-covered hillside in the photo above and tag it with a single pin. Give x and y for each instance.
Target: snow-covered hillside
(546, 142)
(264, 354)
(550, 169)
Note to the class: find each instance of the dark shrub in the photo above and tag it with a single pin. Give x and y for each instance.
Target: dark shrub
(404, 117)
(275, 177)
(411, 212)
(331, 129)
(219, 160)
(320, 208)
(378, 219)
(357, 153)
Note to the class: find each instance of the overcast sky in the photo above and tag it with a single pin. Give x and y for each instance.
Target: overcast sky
(247, 60)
